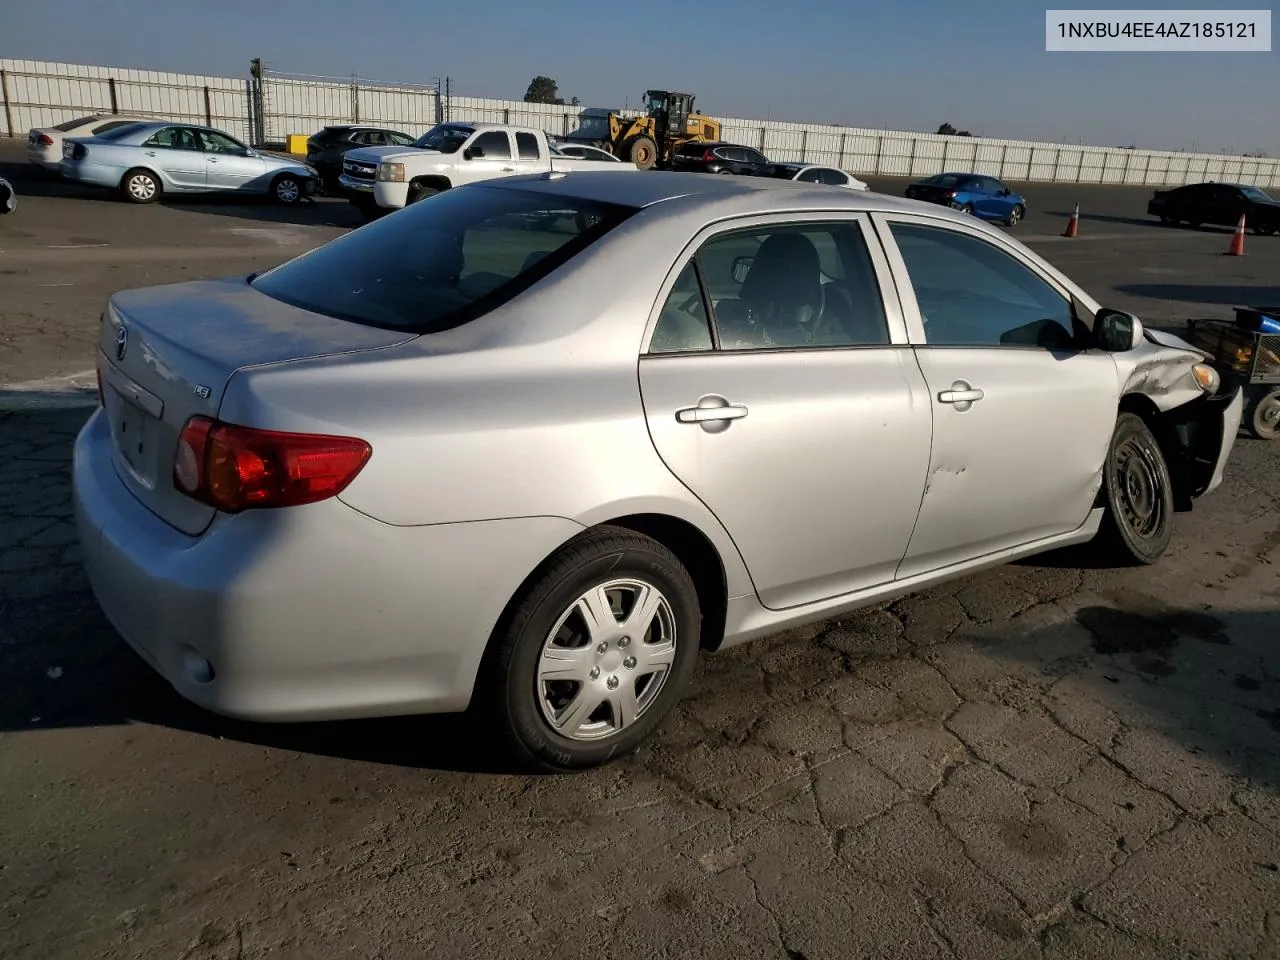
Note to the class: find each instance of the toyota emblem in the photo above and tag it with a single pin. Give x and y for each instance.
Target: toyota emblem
(122, 342)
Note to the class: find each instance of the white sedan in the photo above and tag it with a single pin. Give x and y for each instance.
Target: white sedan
(44, 144)
(812, 173)
(581, 151)
(532, 447)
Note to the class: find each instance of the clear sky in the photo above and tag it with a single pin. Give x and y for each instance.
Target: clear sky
(901, 64)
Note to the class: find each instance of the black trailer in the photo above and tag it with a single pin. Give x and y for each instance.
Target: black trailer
(1247, 351)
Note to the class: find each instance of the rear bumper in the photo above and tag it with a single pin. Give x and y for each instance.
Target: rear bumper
(94, 174)
(313, 613)
(49, 158)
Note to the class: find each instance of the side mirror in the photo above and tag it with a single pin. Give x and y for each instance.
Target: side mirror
(741, 267)
(1116, 331)
(473, 153)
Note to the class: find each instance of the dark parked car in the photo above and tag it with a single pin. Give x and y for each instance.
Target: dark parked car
(1217, 203)
(973, 193)
(718, 157)
(325, 149)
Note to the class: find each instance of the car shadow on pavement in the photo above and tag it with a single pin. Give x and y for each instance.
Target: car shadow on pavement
(1225, 295)
(1020, 638)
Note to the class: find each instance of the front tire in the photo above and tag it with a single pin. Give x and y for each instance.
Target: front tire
(1138, 525)
(643, 152)
(418, 191)
(140, 186)
(598, 649)
(1015, 215)
(287, 190)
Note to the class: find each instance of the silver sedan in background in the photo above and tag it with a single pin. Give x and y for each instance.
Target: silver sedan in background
(533, 446)
(145, 161)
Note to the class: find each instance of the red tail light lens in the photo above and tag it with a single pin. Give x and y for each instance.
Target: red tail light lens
(951, 195)
(709, 156)
(237, 468)
(44, 140)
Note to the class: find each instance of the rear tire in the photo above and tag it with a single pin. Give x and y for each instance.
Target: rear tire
(1138, 525)
(967, 209)
(141, 186)
(1262, 418)
(567, 694)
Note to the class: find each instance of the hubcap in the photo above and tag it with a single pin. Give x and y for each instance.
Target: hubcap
(142, 187)
(1267, 417)
(287, 190)
(1139, 490)
(606, 660)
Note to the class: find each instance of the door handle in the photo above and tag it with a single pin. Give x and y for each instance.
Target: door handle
(713, 413)
(962, 394)
(508, 169)
(213, 159)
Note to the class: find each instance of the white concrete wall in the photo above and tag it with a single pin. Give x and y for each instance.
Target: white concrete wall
(39, 93)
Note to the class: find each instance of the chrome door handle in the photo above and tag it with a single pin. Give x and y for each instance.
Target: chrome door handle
(963, 394)
(713, 413)
(508, 169)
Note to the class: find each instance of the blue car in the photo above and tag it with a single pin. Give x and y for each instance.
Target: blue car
(973, 193)
(145, 161)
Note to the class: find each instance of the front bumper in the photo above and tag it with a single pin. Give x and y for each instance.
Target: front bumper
(390, 195)
(312, 613)
(359, 186)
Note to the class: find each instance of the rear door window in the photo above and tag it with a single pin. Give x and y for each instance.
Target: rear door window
(527, 146)
(437, 265)
(494, 144)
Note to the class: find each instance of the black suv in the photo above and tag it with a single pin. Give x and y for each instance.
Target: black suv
(719, 158)
(325, 149)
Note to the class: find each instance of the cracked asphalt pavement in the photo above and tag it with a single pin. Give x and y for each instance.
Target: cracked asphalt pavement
(1047, 760)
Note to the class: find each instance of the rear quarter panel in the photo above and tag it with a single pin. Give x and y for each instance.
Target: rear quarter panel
(504, 417)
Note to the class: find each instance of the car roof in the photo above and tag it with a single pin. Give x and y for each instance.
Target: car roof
(731, 196)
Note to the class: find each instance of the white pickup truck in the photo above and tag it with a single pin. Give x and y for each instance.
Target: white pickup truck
(380, 179)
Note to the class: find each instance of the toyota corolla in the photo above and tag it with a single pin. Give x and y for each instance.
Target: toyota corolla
(532, 448)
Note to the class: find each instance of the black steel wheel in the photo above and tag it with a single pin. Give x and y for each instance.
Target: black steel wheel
(1138, 525)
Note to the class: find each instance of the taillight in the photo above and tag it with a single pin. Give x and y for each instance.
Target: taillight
(709, 156)
(236, 468)
(44, 140)
(951, 194)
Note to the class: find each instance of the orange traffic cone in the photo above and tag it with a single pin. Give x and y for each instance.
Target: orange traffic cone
(1237, 241)
(1073, 225)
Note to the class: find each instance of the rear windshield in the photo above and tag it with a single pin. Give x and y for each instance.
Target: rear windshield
(442, 261)
(946, 180)
(72, 124)
(115, 133)
(330, 134)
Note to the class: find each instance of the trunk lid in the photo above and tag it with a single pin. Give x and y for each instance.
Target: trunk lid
(167, 355)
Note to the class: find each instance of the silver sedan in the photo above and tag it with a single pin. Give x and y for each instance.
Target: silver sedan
(534, 446)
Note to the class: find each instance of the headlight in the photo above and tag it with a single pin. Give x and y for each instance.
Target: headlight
(391, 172)
(1206, 377)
